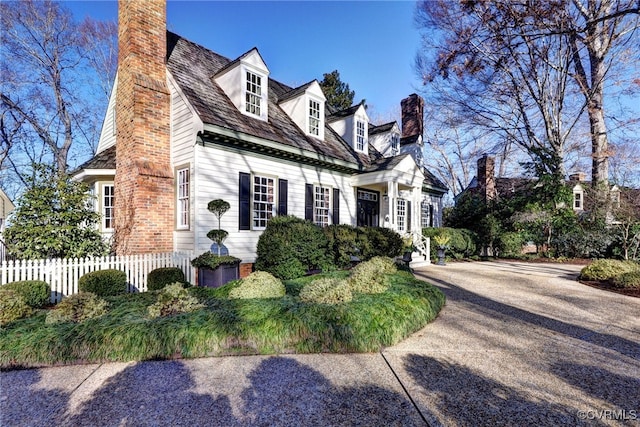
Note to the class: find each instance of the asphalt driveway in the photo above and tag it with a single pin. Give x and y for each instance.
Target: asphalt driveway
(516, 344)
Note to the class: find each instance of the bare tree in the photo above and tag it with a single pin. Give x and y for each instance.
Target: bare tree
(48, 98)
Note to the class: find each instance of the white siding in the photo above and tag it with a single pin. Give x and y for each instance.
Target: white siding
(107, 133)
(217, 176)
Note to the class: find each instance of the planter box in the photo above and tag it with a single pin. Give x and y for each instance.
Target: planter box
(215, 278)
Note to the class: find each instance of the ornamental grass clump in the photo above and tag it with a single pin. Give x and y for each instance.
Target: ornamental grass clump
(607, 269)
(174, 299)
(35, 293)
(77, 309)
(258, 284)
(12, 306)
(370, 277)
(327, 290)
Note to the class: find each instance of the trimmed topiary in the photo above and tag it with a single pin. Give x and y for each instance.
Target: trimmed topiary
(628, 280)
(161, 277)
(369, 277)
(35, 293)
(77, 308)
(12, 306)
(104, 282)
(607, 269)
(174, 299)
(326, 291)
(258, 284)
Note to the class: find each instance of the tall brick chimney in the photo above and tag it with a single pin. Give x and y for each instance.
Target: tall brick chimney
(412, 115)
(144, 205)
(486, 177)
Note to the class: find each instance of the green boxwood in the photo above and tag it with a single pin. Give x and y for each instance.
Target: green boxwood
(628, 280)
(36, 293)
(174, 299)
(379, 241)
(77, 308)
(607, 269)
(12, 306)
(258, 284)
(326, 290)
(161, 277)
(104, 282)
(369, 277)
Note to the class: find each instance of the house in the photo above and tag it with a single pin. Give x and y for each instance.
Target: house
(6, 207)
(185, 125)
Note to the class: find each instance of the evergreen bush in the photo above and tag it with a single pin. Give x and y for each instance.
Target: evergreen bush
(379, 241)
(607, 269)
(258, 284)
(462, 242)
(326, 290)
(628, 280)
(510, 244)
(290, 247)
(36, 293)
(174, 299)
(369, 277)
(12, 306)
(104, 282)
(161, 277)
(77, 308)
(343, 243)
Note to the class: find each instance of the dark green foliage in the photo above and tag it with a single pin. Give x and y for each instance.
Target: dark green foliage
(258, 284)
(628, 280)
(53, 219)
(607, 269)
(379, 241)
(104, 282)
(462, 243)
(291, 247)
(338, 94)
(161, 277)
(510, 244)
(212, 261)
(35, 293)
(12, 306)
(77, 308)
(174, 299)
(344, 243)
(218, 207)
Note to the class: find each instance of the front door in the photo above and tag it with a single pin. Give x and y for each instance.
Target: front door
(368, 208)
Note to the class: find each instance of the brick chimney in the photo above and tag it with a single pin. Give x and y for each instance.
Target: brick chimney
(412, 115)
(486, 177)
(144, 205)
(578, 177)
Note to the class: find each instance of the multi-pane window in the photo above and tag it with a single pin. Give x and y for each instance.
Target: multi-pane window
(314, 117)
(395, 145)
(401, 214)
(360, 135)
(183, 198)
(108, 207)
(427, 214)
(577, 200)
(321, 206)
(253, 93)
(263, 200)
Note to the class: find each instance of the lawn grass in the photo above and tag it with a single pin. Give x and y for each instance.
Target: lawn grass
(226, 326)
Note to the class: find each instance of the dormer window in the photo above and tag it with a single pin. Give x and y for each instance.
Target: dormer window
(578, 202)
(395, 144)
(253, 96)
(360, 135)
(314, 117)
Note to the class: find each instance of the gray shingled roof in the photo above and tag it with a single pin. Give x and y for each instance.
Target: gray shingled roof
(431, 180)
(193, 68)
(106, 159)
(373, 129)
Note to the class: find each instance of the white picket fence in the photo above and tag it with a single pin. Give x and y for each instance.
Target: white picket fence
(62, 274)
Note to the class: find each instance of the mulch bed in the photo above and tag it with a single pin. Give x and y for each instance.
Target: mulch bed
(606, 286)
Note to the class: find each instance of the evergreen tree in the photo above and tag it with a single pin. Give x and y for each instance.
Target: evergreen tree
(336, 91)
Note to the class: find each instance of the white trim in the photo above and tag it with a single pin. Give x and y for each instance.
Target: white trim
(93, 172)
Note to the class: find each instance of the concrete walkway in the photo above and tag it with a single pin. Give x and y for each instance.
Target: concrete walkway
(517, 344)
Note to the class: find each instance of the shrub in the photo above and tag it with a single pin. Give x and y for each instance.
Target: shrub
(326, 291)
(510, 244)
(258, 284)
(174, 299)
(290, 247)
(77, 308)
(379, 241)
(605, 269)
(213, 261)
(12, 306)
(628, 280)
(35, 293)
(462, 242)
(161, 277)
(369, 277)
(104, 282)
(343, 243)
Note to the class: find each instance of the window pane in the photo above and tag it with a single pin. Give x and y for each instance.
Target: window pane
(263, 200)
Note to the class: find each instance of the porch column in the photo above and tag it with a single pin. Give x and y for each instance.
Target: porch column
(392, 192)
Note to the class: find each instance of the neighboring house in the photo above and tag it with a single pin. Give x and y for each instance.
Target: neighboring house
(488, 187)
(185, 125)
(6, 207)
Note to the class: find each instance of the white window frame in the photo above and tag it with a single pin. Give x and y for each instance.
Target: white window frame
(263, 209)
(401, 214)
(314, 117)
(321, 205)
(425, 211)
(183, 199)
(361, 135)
(578, 200)
(254, 99)
(108, 206)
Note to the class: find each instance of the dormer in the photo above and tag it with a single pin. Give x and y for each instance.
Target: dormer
(352, 125)
(305, 106)
(578, 197)
(385, 138)
(246, 82)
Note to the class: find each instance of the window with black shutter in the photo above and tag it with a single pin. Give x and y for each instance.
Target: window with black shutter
(244, 191)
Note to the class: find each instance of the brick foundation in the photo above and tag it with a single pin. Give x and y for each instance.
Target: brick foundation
(245, 270)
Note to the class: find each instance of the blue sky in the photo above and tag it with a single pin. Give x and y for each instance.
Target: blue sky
(371, 43)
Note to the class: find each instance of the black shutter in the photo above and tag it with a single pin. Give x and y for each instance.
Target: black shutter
(308, 202)
(336, 206)
(283, 195)
(244, 218)
(408, 216)
(430, 215)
